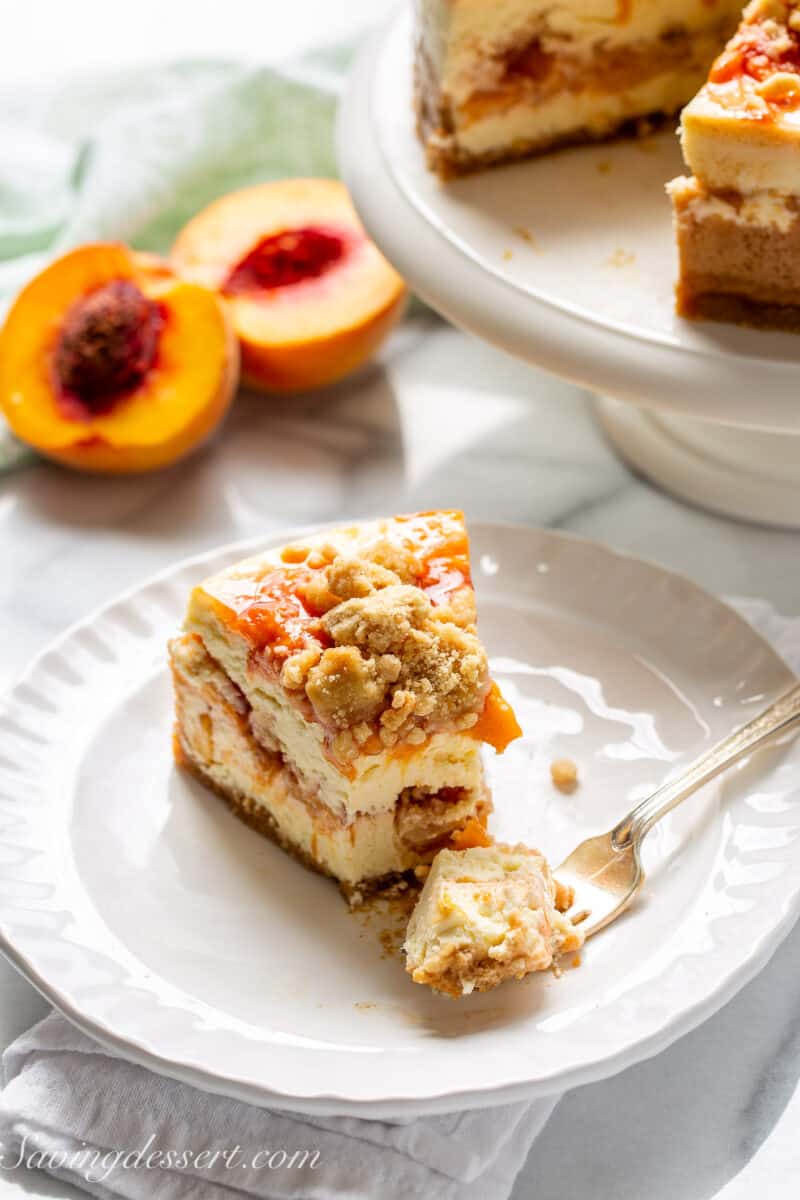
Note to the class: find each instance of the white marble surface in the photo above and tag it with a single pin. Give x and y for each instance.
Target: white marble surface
(441, 420)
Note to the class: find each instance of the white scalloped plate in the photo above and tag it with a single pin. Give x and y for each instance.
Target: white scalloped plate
(162, 926)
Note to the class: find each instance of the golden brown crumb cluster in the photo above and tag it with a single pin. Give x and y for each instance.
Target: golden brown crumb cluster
(399, 666)
(564, 774)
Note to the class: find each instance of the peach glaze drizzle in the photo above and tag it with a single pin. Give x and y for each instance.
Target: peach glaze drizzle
(755, 54)
(273, 612)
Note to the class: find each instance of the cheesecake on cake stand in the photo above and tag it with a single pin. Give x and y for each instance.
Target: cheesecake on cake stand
(567, 258)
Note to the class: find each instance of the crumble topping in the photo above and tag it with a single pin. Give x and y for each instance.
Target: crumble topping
(399, 665)
(564, 897)
(370, 630)
(766, 50)
(473, 834)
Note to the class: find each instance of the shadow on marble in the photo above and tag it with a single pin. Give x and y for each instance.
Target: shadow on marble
(426, 428)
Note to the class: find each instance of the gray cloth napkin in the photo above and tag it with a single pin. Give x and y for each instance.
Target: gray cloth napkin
(82, 1114)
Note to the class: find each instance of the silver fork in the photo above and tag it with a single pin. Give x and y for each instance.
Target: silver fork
(606, 871)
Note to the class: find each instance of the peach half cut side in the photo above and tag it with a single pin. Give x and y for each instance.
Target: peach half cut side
(311, 297)
(111, 363)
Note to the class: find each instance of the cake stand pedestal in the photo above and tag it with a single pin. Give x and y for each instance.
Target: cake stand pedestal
(743, 473)
(567, 262)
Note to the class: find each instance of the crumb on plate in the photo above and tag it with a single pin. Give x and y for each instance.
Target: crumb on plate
(564, 774)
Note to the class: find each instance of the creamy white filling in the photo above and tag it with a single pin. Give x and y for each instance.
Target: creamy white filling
(774, 209)
(732, 140)
(365, 849)
(366, 846)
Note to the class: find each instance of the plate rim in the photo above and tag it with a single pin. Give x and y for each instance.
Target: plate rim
(328, 1102)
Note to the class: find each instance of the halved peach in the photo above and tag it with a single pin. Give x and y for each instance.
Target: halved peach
(310, 295)
(109, 362)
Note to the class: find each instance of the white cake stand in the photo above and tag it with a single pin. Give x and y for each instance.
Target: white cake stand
(567, 261)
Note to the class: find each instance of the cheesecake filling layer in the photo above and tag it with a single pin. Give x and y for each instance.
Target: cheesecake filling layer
(509, 125)
(457, 33)
(741, 131)
(734, 138)
(218, 736)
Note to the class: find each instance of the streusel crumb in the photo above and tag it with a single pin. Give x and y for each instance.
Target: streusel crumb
(564, 774)
(399, 665)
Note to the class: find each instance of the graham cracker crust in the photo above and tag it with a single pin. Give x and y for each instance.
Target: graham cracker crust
(734, 271)
(484, 975)
(736, 310)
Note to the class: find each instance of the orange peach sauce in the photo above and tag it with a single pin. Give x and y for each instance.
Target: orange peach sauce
(497, 724)
(438, 540)
(272, 615)
(472, 835)
(754, 54)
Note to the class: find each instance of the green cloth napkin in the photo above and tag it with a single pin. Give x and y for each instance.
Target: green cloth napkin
(133, 155)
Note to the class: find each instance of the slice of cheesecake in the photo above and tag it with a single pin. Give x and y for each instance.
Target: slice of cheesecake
(737, 218)
(485, 915)
(336, 694)
(494, 82)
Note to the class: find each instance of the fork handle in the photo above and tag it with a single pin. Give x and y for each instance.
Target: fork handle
(781, 716)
